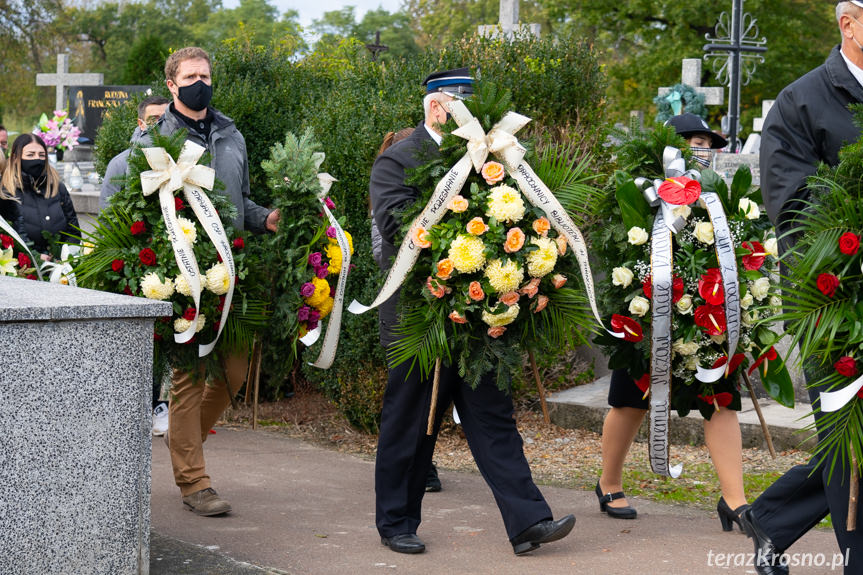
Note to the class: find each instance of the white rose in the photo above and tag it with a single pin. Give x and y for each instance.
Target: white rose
(621, 276)
(682, 211)
(684, 348)
(637, 236)
(771, 247)
(684, 304)
(775, 302)
(749, 317)
(759, 288)
(639, 306)
(691, 363)
(750, 208)
(719, 339)
(704, 232)
(746, 300)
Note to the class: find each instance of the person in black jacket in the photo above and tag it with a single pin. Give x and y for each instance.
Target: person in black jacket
(46, 205)
(404, 450)
(807, 125)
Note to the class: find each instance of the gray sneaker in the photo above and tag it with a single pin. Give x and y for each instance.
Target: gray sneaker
(206, 502)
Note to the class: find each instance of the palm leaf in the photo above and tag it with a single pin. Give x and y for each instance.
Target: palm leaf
(422, 339)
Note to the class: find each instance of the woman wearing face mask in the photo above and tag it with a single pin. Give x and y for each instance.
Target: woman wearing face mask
(45, 203)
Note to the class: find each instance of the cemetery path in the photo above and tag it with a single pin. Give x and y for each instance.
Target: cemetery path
(303, 509)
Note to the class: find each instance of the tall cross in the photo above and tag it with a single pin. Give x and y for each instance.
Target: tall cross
(377, 47)
(508, 22)
(690, 75)
(62, 79)
(743, 48)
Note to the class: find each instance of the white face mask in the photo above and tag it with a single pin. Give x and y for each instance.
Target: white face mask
(852, 35)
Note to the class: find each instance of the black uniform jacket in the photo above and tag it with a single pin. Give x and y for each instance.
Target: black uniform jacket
(807, 125)
(389, 194)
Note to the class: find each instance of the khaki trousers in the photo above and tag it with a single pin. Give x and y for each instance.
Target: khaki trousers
(195, 407)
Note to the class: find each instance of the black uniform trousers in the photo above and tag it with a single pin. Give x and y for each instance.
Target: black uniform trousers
(405, 451)
(802, 497)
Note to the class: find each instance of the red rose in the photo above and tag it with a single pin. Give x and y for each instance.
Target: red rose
(31, 276)
(178, 204)
(735, 362)
(756, 256)
(137, 228)
(147, 257)
(711, 318)
(24, 261)
(710, 287)
(239, 243)
(721, 399)
(117, 265)
(127, 291)
(157, 337)
(827, 284)
(8, 242)
(189, 314)
(628, 327)
(679, 191)
(849, 243)
(846, 366)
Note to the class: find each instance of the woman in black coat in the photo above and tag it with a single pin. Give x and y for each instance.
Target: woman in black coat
(45, 204)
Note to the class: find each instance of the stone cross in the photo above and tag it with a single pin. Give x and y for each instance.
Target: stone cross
(758, 123)
(508, 22)
(63, 78)
(691, 76)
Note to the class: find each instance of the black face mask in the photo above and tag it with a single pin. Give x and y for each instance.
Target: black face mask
(196, 96)
(33, 168)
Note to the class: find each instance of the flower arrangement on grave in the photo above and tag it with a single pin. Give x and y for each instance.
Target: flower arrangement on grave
(59, 132)
(486, 267)
(309, 256)
(167, 236)
(15, 261)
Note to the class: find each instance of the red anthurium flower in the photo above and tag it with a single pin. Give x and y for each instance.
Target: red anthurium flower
(711, 318)
(676, 288)
(628, 327)
(647, 286)
(679, 191)
(756, 256)
(849, 243)
(710, 287)
(827, 284)
(735, 362)
(846, 366)
(643, 384)
(768, 356)
(719, 400)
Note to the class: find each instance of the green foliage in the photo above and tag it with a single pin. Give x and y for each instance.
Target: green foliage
(146, 61)
(691, 102)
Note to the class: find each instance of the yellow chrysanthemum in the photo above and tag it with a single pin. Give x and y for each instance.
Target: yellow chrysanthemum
(505, 204)
(322, 292)
(335, 241)
(504, 318)
(466, 253)
(153, 288)
(188, 229)
(334, 255)
(541, 261)
(218, 280)
(504, 277)
(182, 324)
(326, 307)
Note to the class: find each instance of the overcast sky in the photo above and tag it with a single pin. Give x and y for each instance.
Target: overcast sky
(313, 9)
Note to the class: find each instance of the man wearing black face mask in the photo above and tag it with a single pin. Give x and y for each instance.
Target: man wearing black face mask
(195, 405)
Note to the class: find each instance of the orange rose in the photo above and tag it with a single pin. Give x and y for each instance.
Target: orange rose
(456, 317)
(509, 298)
(558, 280)
(561, 245)
(436, 288)
(474, 291)
(420, 237)
(492, 172)
(541, 302)
(496, 331)
(514, 240)
(457, 204)
(444, 269)
(531, 288)
(541, 226)
(476, 227)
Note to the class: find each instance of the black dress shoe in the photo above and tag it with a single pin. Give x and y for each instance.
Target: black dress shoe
(404, 543)
(542, 532)
(627, 512)
(729, 516)
(433, 484)
(767, 556)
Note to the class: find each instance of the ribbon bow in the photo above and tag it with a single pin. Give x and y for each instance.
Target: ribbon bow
(675, 167)
(499, 141)
(171, 176)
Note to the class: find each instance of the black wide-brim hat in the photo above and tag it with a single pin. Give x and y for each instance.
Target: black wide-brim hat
(457, 83)
(688, 125)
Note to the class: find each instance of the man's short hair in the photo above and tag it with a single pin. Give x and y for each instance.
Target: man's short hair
(2, 128)
(149, 101)
(850, 7)
(181, 55)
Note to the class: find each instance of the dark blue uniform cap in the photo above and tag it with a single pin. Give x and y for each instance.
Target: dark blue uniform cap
(457, 83)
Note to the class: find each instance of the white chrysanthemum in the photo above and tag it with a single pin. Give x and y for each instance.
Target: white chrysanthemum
(188, 229)
(504, 318)
(467, 253)
(637, 236)
(153, 288)
(684, 348)
(182, 324)
(505, 204)
(504, 277)
(541, 261)
(622, 276)
(218, 279)
(182, 286)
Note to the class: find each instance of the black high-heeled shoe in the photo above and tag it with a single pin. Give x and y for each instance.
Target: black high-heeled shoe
(727, 516)
(627, 512)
